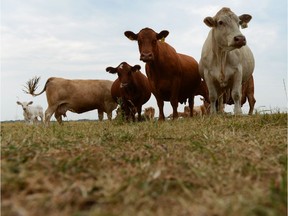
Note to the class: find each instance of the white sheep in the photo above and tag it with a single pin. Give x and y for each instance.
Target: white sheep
(31, 113)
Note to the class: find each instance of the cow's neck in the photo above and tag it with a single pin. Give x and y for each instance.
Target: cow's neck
(162, 61)
(220, 56)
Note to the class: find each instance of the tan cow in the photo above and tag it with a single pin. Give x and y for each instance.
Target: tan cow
(149, 113)
(77, 96)
(198, 110)
(226, 61)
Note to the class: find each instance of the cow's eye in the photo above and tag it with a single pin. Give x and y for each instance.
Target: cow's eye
(220, 23)
(154, 42)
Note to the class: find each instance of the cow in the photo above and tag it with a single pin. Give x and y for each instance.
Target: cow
(226, 61)
(197, 110)
(149, 113)
(77, 96)
(131, 89)
(203, 91)
(247, 93)
(31, 113)
(172, 76)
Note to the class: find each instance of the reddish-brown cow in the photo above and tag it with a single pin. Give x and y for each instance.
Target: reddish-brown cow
(131, 87)
(172, 76)
(203, 90)
(247, 92)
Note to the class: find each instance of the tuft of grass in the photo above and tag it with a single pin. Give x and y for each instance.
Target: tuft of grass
(212, 165)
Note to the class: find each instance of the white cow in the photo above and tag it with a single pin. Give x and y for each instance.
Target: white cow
(226, 61)
(31, 113)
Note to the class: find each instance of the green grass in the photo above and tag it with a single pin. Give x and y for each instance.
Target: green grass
(221, 165)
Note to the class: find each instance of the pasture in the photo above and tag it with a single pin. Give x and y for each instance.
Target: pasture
(218, 165)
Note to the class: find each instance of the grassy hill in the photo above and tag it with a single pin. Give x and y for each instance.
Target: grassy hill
(219, 165)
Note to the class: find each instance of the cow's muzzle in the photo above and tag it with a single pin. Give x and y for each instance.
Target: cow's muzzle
(146, 57)
(239, 41)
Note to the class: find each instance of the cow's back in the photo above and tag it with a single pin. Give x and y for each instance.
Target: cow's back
(78, 95)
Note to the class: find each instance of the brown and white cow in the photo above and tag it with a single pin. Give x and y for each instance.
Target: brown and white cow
(77, 96)
(172, 76)
(131, 87)
(226, 61)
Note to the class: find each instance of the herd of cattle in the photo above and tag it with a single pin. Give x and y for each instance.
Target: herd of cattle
(223, 76)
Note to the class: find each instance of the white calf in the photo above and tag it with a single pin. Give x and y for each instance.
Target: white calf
(31, 112)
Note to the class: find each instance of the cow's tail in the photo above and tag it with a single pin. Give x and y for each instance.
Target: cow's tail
(32, 85)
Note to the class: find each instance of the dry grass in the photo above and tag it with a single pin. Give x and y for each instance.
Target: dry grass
(221, 165)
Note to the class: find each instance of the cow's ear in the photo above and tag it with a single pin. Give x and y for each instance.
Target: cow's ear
(131, 35)
(162, 35)
(136, 68)
(111, 70)
(30, 102)
(244, 20)
(209, 21)
(18, 102)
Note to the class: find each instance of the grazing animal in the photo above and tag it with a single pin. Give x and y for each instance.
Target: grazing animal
(203, 90)
(226, 61)
(198, 110)
(77, 96)
(247, 93)
(149, 113)
(172, 76)
(131, 89)
(31, 113)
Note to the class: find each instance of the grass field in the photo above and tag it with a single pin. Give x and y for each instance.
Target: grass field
(212, 166)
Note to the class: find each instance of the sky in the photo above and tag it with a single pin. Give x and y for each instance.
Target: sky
(78, 39)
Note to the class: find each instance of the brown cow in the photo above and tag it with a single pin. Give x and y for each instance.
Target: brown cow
(172, 76)
(247, 92)
(131, 87)
(77, 96)
(203, 90)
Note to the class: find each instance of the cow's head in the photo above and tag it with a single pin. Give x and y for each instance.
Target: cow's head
(226, 30)
(124, 72)
(147, 42)
(24, 104)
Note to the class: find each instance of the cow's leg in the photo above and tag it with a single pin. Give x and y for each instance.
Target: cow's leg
(252, 102)
(236, 95)
(191, 105)
(174, 104)
(220, 104)
(132, 112)
(160, 104)
(41, 117)
(58, 117)
(100, 115)
(139, 109)
(213, 99)
(213, 95)
(48, 113)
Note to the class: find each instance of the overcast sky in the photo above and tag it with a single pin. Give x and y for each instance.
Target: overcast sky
(78, 39)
